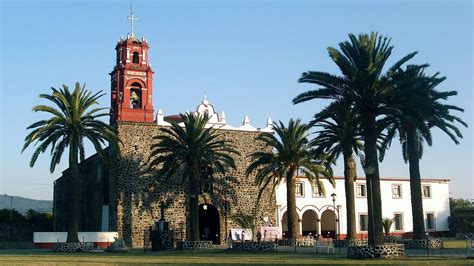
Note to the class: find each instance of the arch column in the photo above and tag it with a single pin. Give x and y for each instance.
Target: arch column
(319, 226)
(300, 226)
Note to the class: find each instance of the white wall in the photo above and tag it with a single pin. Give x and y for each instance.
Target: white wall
(438, 203)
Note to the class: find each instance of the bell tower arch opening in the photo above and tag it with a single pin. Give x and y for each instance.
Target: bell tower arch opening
(136, 96)
(135, 57)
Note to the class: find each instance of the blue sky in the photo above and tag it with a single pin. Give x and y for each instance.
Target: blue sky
(245, 55)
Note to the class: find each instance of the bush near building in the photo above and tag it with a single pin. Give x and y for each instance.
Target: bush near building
(461, 221)
(16, 227)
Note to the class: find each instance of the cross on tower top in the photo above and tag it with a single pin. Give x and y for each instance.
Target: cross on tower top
(132, 19)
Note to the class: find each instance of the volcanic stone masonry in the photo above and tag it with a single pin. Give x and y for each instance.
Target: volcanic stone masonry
(139, 195)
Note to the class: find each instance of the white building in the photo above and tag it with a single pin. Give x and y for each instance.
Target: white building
(316, 212)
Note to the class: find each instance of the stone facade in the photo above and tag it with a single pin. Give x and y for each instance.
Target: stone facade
(134, 195)
(138, 195)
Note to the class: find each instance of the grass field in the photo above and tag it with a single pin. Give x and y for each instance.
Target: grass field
(210, 257)
(454, 243)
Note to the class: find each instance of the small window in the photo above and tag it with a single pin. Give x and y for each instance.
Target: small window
(363, 222)
(316, 192)
(299, 189)
(398, 221)
(135, 57)
(426, 191)
(430, 221)
(396, 191)
(361, 190)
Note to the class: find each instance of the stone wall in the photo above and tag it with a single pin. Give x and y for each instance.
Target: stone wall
(140, 192)
(252, 246)
(421, 243)
(386, 251)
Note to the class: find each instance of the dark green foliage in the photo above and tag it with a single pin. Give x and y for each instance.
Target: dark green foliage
(292, 153)
(15, 215)
(338, 132)
(369, 90)
(72, 119)
(455, 204)
(41, 222)
(387, 224)
(187, 150)
(413, 123)
(462, 216)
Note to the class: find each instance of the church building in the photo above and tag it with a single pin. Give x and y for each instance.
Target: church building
(126, 197)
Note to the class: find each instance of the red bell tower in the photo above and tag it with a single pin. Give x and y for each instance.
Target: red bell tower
(131, 80)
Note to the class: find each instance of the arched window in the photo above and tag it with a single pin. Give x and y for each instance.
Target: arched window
(136, 96)
(135, 57)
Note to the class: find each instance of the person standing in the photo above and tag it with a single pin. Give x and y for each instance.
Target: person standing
(229, 240)
(259, 236)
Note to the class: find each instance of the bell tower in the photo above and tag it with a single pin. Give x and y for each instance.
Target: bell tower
(131, 80)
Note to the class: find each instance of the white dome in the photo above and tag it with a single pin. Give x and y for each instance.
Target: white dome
(206, 108)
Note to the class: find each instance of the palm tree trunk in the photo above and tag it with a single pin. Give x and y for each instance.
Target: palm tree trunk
(415, 184)
(349, 177)
(72, 195)
(194, 205)
(291, 204)
(374, 200)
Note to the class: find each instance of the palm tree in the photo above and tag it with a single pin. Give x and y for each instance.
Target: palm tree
(72, 121)
(387, 224)
(291, 153)
(186, 150)
(339, 133)
(362, 60)
(414, 128)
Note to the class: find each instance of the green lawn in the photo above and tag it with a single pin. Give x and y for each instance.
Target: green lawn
(215, 257)
(454, 243)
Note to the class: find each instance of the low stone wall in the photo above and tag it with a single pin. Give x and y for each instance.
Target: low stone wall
(251, 246)
(421, 243)
(387, 251)
(73, 247)
(298, 242)
(393, 239)
(193, 245)
(287, 242)
(361, 242)
(352, 242)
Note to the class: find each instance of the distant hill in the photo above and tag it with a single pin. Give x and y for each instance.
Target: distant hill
(22, 205)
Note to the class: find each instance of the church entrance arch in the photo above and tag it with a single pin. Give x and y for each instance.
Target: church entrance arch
(328, 219)
(209, 224)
